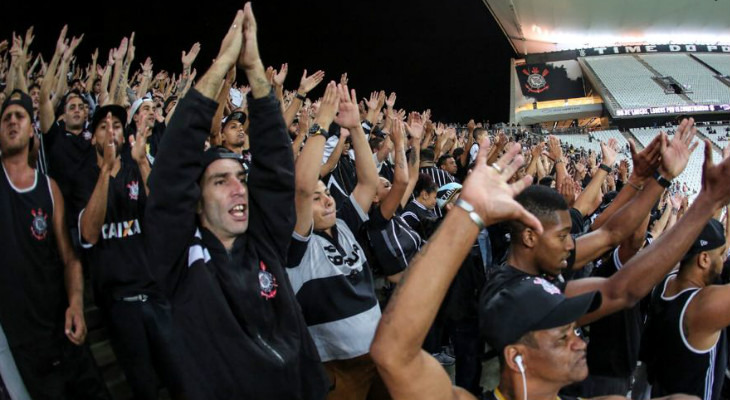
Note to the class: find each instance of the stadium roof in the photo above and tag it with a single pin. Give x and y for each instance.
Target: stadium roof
(540, 26)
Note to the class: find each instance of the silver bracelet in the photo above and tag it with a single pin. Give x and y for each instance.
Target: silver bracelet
(464, 205)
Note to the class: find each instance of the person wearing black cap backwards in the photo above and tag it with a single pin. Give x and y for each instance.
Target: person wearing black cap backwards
(486, 199)
(41, 284)
(217, 243)
(137, 315)
(685, 343)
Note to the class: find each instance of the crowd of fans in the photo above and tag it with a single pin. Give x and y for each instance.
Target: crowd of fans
(248, 241)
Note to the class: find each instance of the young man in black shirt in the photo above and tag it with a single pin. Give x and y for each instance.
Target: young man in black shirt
(554, 250)
(217, 243)
(41, 288)
(110, 226)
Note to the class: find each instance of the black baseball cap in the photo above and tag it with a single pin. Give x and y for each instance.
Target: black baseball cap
(220, 153)
(20, 98)
(530, 304)
(235, 116)
(101, 112)
(711, 237)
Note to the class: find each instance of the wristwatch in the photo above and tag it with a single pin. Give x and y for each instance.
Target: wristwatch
(662, 180)
(315, 130)
(605, 167)
(300, 96)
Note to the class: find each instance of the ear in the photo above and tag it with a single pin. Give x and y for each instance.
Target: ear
(529, 238)
(510, 353)
(703, 260)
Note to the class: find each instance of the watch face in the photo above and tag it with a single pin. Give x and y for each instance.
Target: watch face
(314, 128)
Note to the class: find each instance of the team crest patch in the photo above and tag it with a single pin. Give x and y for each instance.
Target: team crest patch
(267, 282)
(86, 135)
(39, 226)
(547, 286)
(133, 190)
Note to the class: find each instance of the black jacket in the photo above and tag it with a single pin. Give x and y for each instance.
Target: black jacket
(243, 340)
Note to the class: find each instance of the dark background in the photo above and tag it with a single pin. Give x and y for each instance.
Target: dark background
(449, 56)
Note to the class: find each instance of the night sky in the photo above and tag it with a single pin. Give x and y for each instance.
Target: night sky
(450, 56)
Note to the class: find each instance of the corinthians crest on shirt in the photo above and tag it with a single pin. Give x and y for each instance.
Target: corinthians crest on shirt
(133, 190)
(536, 82)
(39, 225)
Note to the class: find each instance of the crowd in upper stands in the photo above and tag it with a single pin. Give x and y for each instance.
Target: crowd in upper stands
(246, 240)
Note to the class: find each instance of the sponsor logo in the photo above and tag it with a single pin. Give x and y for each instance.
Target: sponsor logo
(536, 82)
(703, 243)
(267, 282)
(133, 190)
(116, 230)
(39, 225)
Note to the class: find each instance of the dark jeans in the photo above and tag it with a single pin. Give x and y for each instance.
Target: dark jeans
(142, 336)
(468, 349)
(58, 370)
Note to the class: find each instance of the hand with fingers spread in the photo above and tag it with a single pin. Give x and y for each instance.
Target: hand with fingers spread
(348, 117)
(189, 58)
(390, 101)
(675, 153)
(139, 144)
(486, 188)
(280, 75)
(328, 107)
(372, 103)
(647, 161)
(623, 170)
(415, 127)
(609, 152)
(307, 83)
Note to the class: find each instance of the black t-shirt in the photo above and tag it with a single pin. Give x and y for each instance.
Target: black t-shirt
(71, 159)
(392, 241)
(420, 219)
(118, 260)
(613, 349)
(577, 222)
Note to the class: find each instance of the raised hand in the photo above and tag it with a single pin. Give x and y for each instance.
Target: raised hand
(415, 126)
(343, 79)
(120, 51)
(189, 58)
(230, 49)
(110, 147)
(373, 102)
(280, 75)
(348, 117)
(390, 101)
(647, 161)
(676, 152)
(555, 151)
(328, 107)
(139, 144)
(307, 83)
(487, 190)
(131, 49)
(249, 57)
(609, 152)
(567, 190)
(623, 170)
(715, 178)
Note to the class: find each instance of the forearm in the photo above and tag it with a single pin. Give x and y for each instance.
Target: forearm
(256, 75)
(333, 159)
(121, 90)
(218, 117)
(94, 214)
(144, 170)
(307, 166)
(364, 163)
(541, 173)
(291, 112)
(560, 172)
(413, 307)
(413, 163)
(648, 267)
(390, 204)
(297, 145)
(584, 203)
(624, 196)
(629, 217)
(74, 282)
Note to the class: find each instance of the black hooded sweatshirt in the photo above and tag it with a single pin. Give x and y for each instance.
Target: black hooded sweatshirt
(241, 327)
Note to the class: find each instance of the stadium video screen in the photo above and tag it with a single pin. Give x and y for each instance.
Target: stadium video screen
(551, 81)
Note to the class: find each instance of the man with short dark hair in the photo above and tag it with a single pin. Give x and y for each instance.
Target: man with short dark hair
(447, 163)
(41, 283)
(217, 243)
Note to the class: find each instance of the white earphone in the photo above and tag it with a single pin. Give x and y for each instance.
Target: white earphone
(518, 360)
